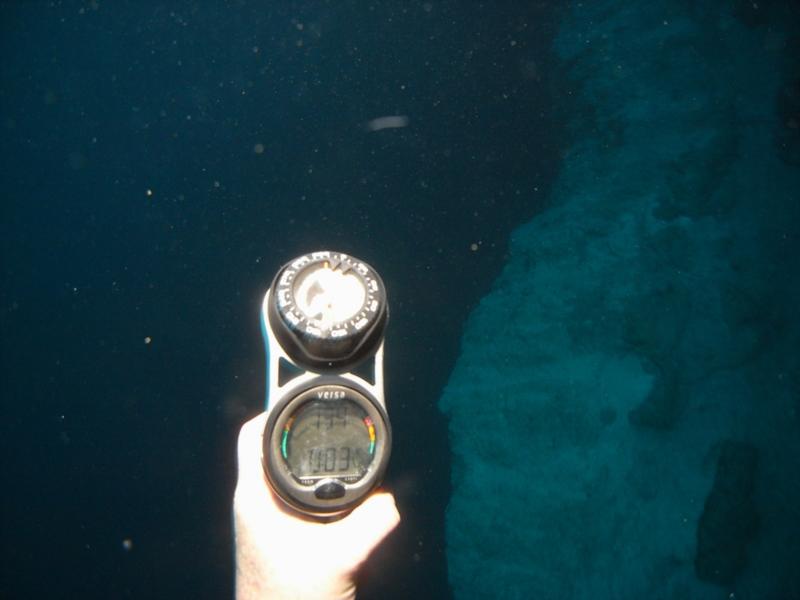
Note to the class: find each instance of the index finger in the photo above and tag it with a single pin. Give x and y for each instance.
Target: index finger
(251, 473)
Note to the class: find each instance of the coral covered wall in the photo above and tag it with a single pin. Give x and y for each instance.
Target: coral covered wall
(624, 416)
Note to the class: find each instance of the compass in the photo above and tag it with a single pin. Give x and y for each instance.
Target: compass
(327, 439)
(328, 309)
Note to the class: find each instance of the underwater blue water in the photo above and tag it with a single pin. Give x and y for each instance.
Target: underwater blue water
(586, 217)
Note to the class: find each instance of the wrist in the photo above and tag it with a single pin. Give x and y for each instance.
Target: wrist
(270, 573)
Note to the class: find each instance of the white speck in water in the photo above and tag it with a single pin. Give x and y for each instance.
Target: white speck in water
(388, 122)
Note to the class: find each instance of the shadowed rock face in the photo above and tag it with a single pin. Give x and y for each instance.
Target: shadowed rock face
(729, 520)
(661, 408)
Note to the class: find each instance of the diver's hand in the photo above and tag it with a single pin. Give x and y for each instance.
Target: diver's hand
(280, 556)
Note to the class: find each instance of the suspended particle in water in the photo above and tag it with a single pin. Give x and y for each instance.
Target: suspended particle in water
(388, 122)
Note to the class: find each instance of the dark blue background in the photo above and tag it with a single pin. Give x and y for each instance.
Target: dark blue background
(107, 438)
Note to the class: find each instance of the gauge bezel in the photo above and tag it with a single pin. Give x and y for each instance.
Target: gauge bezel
(302, 497)
(347, 345)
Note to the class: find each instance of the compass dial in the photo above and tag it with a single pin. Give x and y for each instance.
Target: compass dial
(328, 309)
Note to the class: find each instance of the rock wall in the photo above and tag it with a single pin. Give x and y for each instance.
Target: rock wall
(643, 322)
